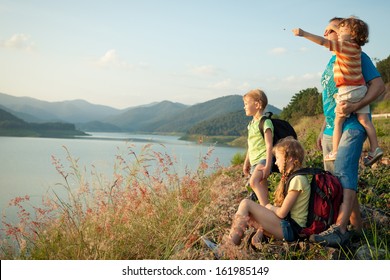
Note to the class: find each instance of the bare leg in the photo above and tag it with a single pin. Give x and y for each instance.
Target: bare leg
(337, 132)
(348, 209)
(356, 219)
(238, 228)
(260, 186)
(264, 217)
(370, 130)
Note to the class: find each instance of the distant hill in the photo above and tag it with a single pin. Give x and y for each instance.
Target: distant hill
(161, 117)
(174, 117)
(11, 125)
(8, 117)
(230, 124)
(34, 110)
(203, 111)
(146, 118)
(220, 107)
(97, 126)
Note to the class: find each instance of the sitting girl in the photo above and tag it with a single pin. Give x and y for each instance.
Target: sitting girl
(273, 220)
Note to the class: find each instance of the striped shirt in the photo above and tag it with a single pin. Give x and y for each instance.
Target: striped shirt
(348, 66)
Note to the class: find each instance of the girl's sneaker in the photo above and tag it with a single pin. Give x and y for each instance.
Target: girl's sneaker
(371, 158)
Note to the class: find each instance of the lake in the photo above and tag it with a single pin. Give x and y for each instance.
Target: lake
(26, 163)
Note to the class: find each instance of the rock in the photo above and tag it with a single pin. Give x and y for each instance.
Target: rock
(366, 252)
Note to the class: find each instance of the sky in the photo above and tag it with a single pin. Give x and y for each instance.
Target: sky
(135, 52)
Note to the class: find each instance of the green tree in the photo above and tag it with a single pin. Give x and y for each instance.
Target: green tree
(307, 102)
(383, 67)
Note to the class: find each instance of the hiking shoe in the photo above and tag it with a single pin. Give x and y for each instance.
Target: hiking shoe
(371, 158)
(331, 237)
(330, 157)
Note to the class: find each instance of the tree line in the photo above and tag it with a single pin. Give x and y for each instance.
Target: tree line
(383, 67)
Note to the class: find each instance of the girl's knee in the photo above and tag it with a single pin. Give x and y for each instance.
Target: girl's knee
(243, 208)
(244, 203)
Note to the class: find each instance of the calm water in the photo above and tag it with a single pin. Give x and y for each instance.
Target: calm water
(26, 166)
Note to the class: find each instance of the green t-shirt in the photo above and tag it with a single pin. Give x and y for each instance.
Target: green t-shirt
(256, 143)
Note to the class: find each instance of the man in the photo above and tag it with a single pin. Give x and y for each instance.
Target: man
(346, 165)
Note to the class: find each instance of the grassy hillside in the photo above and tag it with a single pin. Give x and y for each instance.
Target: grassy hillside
(155, 214)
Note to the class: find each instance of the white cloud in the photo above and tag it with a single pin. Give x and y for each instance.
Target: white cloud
(143, 64)
(111, 60)
(225, 84)
(204, 70)
(244, 87)
(19, 41)
(311, 76)
(314, 77)
(290, 78)
(230, 86)
(278, 51)
(110, 57)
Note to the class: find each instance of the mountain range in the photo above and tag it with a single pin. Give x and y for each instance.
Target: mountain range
(165, 116)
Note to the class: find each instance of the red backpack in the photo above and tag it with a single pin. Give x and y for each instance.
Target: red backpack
(326, 197)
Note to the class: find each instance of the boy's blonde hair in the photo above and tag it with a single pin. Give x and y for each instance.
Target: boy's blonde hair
(291, 149)
(359, 29)
(257, 95)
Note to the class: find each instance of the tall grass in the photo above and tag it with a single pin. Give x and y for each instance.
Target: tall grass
(145, 211)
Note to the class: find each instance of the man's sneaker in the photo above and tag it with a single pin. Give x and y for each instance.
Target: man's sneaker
(371, 158)
(331, 237)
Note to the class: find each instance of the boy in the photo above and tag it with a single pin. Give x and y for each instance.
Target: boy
(352, 34)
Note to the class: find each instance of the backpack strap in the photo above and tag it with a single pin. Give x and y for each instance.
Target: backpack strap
(304, 171)
(266, 115)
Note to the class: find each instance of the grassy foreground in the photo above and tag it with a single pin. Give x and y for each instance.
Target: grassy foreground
(152, 213)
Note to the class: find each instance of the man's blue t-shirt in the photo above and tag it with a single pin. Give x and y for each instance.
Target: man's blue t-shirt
(329, 104)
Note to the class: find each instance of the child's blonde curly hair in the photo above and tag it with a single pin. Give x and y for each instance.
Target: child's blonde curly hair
(359, 29)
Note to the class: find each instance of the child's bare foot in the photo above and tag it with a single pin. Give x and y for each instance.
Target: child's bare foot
(256, 239)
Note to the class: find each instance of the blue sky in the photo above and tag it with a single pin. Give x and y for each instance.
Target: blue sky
(129, 53)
